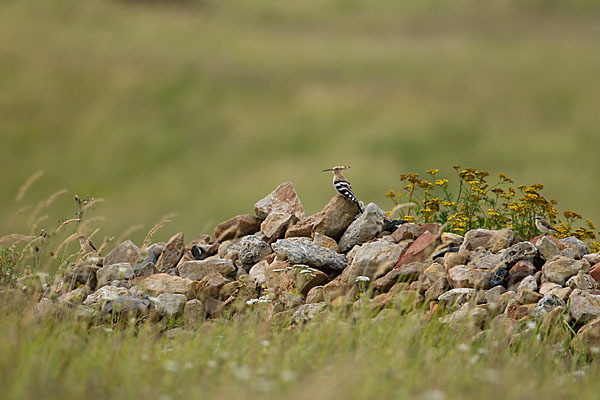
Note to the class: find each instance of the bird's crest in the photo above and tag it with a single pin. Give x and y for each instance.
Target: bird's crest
(337, 168)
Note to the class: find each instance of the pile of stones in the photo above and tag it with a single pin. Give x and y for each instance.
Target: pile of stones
(296, 267)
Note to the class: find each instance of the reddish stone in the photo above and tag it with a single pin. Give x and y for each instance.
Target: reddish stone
(595, 272)
(516, 311)
(522, 268)
(420, 249)
(554, 240)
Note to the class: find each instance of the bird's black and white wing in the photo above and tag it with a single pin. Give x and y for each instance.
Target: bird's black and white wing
(344, 188)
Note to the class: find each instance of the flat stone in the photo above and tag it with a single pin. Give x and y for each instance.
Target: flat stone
(276, 225)
(364, 228)
(198, 269)
(560, 268)
(103, 294)
(420, 249)
(584, 306)
(126, 252)
(172, 253)
(170, 304)
(238, 226)
(336, 217)
(74, 297)
(374, 260)
(455, 298)
(519, 251)
(283, 200)
(307, 253)
(109, 273)
(451, 239)
(164, 283)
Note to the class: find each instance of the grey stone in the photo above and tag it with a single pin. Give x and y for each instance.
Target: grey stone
(581, 281)
(364, 228)
(74, 297)
(283, 199)
(170, 304)
(577, 245)
(519, 251)
(252, 250)
(560, 268)
(486, 261)
(126, 305)
(126, 252)
(546, 248)
(455, 298)
(374, 260)
(584, 306)
(105, 293)
(493, 295)
(109, 273)
(193, 312)
(476, 238)
(148, 266)
(299, 251)
(458, 277)
(230, 249)
(198, 269)
(307, 312)
(547, 304)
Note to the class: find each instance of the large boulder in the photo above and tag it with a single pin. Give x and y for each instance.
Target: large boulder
(171, 253)
(302, 251)
(283, 199)
(335, 218)
(374, 260)
(198, 269)
(126, 252)
(546, 248)
(476, 238)
(364, 228)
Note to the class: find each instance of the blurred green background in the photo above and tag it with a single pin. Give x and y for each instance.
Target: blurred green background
(204, 107)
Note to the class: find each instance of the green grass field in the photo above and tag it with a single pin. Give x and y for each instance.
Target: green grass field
(203, 107)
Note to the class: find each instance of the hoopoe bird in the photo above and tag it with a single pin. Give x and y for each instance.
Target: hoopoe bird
(544, 226)
(341, 184)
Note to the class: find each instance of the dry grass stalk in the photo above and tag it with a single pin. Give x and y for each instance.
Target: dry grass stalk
(401, 206)
(129, 231)
(163, 221)
(30, 181)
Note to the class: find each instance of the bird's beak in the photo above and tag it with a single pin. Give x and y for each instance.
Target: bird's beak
(328, 169)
